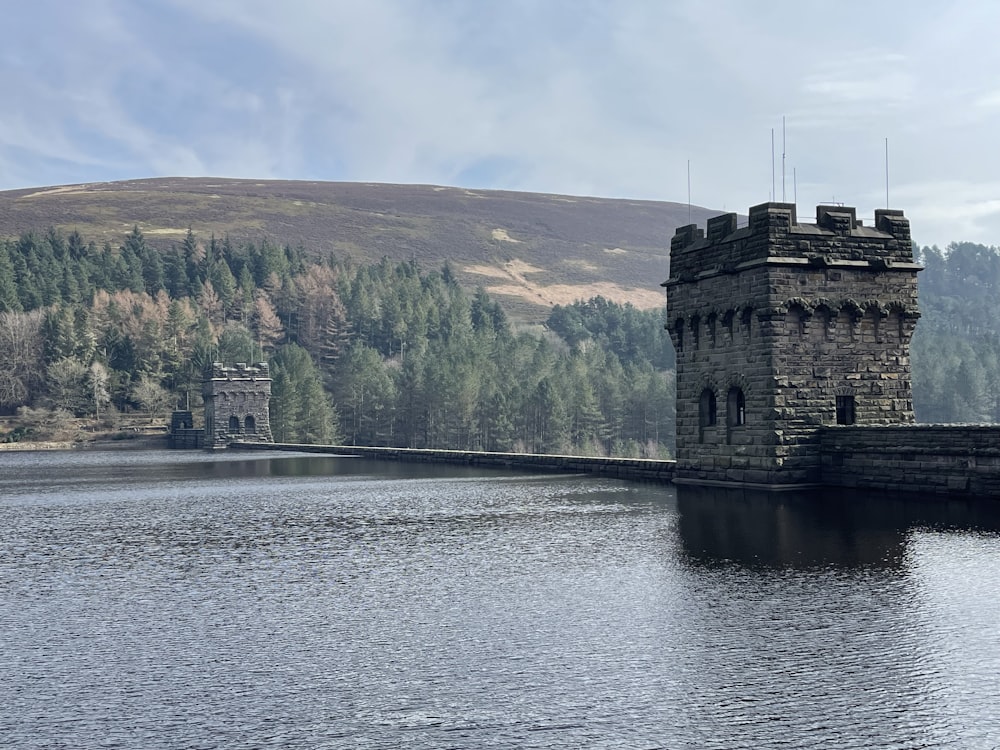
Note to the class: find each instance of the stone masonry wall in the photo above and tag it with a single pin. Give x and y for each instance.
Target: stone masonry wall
(237, 405)
(928, 459)
(791, 316)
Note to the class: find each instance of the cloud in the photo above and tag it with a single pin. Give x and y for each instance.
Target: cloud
(861, 82)
(952, 209)
(988, 100)
(576, 96)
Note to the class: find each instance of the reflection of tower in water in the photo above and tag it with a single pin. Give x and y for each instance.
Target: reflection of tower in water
(814, 615)
(818, 528)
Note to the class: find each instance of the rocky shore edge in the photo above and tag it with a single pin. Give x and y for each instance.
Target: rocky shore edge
(115, 442)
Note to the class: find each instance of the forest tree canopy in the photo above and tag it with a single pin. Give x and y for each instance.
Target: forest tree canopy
(382, 354)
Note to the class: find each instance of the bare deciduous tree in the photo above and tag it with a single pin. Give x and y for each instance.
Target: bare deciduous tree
(152, 397)
(69, 386)
(21, 347)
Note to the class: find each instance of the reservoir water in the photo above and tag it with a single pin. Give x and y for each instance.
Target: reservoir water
(188, 600)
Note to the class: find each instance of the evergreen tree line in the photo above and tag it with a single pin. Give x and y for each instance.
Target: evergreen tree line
(384, 354)
(956, 347)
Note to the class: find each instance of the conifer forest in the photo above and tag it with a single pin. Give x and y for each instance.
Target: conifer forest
(384, 354)
(390, 353)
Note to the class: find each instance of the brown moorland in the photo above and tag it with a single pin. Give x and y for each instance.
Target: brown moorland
(529, 250)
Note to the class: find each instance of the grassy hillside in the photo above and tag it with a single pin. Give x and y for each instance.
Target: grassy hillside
(529, 250)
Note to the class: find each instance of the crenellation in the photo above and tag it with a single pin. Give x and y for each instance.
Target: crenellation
(838, 219)
(805, 319)
(686, 236)
(237, 404)
(720, 227)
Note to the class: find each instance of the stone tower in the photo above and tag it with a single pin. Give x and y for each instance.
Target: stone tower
(237, 405)
(781, 328)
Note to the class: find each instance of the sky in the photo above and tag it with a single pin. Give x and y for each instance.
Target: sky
(610, 98)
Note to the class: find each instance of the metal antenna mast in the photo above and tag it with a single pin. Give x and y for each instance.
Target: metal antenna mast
(887, 172)
(689, 191)
(783, 159)
(772, 165)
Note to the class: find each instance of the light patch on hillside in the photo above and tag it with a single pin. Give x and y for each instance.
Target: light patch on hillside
(519, 267)
(514, 270)
(515, 283)
(164, 230)
(500, 235)
(566, 294)
(615, 251)
(583, 264)
(491, 271)
(64, 189)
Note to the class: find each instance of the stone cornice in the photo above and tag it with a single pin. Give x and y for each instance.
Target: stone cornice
(853, 265)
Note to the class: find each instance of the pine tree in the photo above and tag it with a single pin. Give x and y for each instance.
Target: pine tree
(236, 344)
(8, 287)
(128, 270)
(175, 277)
(58, 334)
(224, 284)
(194, 259)
(301, 412)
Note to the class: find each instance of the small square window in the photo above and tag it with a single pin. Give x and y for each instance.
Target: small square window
(845, 409)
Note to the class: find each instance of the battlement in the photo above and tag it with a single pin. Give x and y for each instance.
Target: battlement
(240, 371)
(773, 233)
(237, 404)
(782, 328)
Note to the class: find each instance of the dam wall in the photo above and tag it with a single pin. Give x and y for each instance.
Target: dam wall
(639, 469)
(932, 459)
(959, 461)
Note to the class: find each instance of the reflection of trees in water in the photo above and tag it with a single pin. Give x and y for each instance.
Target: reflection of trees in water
(805, 623)
(816, 527)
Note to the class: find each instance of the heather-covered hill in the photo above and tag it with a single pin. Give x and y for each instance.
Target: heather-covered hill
(528, 250)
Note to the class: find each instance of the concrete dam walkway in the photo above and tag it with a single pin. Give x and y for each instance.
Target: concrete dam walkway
(640, 469)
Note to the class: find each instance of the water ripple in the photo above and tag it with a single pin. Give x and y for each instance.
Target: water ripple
(184, 601)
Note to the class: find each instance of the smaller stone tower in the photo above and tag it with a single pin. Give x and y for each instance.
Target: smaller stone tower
(781, 328)
(237, 405)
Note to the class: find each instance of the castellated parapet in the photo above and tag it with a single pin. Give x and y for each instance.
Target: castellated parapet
(781, 328)
(237, 405)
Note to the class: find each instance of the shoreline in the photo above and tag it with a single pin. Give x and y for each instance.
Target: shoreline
(139, 442)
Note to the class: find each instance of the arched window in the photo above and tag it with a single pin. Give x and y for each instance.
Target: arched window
(727, 323)
(706, 408)
(823, 330)
(234, 424)
(706, 412)
(796, 321)
(736, 408)
(896, 326)
(747, 320)
(250, 424)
